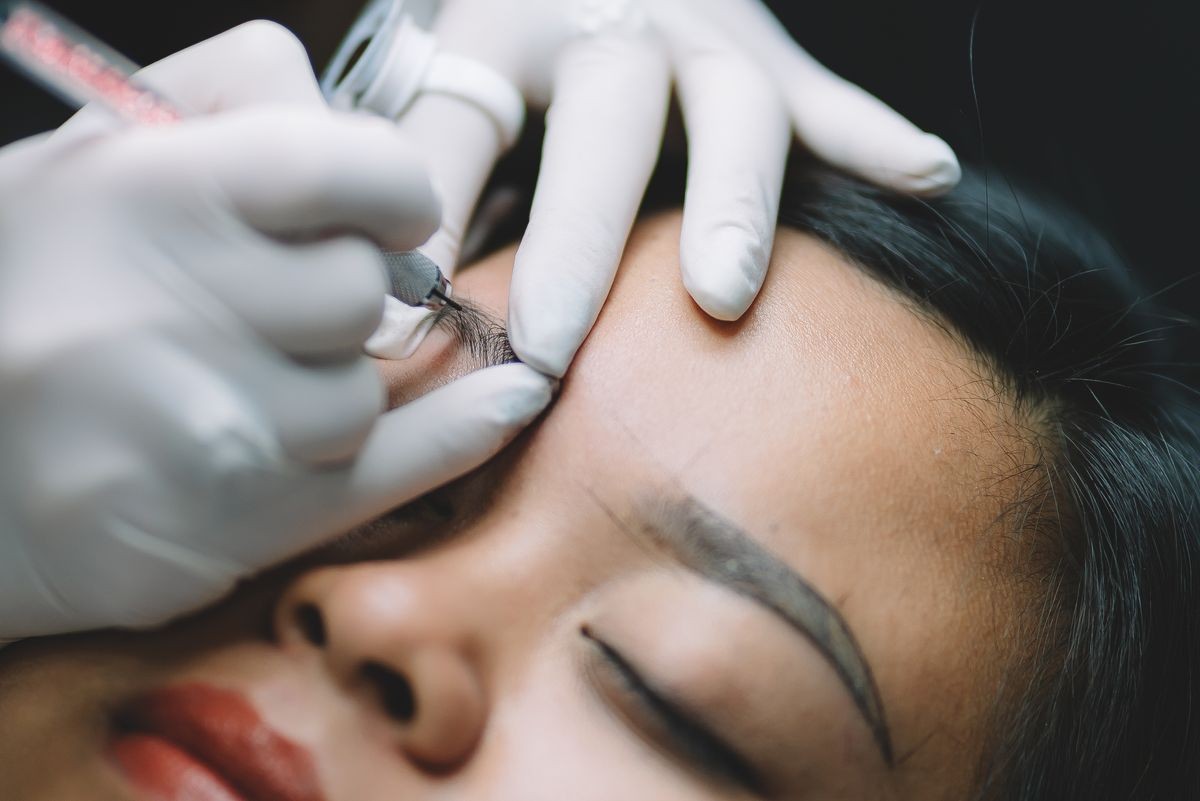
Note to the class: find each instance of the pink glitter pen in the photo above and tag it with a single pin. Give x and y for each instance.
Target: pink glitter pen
(76, 66)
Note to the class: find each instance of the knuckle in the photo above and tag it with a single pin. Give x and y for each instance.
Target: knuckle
(267, 44)
(361, 399)
(315, 148)
(745, 70)
(236, 458)
(300, 148)
(338, 304)
(751, 87)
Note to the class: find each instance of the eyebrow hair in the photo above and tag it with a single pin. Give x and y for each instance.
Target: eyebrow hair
(478, 331)
(717, 550)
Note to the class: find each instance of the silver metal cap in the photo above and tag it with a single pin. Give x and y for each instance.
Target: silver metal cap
(363, 53)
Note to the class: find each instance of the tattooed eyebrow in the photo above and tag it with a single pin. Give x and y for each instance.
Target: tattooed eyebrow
(719, 551)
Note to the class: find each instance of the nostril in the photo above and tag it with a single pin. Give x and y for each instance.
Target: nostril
(395, 691)
(311, 624)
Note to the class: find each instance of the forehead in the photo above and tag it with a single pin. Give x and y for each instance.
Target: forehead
(832, 403)
(848, 434)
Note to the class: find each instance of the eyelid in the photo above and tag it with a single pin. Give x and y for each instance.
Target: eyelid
(682, 736)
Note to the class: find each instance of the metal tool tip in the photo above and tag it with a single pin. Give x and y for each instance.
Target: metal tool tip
(447, 300)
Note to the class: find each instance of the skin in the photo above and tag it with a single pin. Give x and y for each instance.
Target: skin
(844, 434)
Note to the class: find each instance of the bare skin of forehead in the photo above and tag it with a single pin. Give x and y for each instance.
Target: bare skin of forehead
(848, 433)
(826, 353)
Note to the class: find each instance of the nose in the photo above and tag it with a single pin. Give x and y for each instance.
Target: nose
(402, 646)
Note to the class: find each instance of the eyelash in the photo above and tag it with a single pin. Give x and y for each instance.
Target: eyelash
(685, 738)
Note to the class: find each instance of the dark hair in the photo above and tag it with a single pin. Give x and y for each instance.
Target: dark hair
(1109, 707)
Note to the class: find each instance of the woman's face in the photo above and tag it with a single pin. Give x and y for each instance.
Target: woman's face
(733, 558)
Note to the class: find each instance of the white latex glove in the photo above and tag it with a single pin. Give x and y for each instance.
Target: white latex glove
(183, 398)
(605, 68)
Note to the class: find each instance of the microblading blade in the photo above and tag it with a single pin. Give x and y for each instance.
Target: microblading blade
(414, 279)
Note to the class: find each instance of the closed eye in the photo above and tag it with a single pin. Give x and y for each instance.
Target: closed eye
(666, 724)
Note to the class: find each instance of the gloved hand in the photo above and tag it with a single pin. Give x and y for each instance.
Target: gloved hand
(183, 398)
(605, 69)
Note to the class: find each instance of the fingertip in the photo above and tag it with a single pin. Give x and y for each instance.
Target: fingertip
(855, 131)
(546, 347)
(266, 46)
(548, 322)
(724, 271)
(550, 361)
(932, 169)
(524, 393)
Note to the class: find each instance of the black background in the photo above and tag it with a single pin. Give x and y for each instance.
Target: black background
(1096, 102)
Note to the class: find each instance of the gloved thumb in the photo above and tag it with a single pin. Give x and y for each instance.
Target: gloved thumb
(411, 450)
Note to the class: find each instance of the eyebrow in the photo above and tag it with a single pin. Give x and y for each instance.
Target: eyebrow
(717, 550)
(479, 332)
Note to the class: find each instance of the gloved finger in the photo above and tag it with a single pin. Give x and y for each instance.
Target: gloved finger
(410, 451)
(838, 121)
(460, 145)
(258, 62)
(603, 133)
(847, 127)
(318, 300)
(739, 135)
(321, 413)
(292, 173)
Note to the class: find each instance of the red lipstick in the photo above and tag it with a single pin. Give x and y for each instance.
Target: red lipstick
(196, 742)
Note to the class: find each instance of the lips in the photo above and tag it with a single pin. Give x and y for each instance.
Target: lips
(201, 743)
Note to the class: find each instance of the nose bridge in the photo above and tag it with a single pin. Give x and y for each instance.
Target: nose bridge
(397, 607)
(464, 596)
